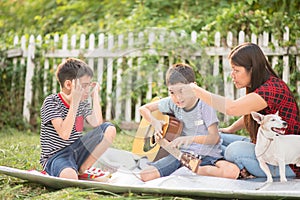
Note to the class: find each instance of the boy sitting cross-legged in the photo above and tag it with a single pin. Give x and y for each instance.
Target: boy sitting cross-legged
(66, 152)
(200, 128)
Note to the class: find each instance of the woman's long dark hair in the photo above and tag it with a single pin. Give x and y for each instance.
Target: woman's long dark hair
(251, 57)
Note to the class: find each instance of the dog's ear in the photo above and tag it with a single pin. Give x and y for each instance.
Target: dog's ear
(277, 113)
(257, 117)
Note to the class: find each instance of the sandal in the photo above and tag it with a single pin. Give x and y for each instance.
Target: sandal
(95, 174)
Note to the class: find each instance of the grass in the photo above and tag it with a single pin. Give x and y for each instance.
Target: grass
(22, 150)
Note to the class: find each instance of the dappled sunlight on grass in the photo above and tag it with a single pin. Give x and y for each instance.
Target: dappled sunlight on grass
(124, 140)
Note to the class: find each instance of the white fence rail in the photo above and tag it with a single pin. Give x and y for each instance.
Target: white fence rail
(108, 54)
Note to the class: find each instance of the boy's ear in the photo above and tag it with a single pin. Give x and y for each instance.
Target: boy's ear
(68, 84)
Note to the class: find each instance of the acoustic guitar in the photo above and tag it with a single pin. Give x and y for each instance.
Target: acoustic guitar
(145, 143)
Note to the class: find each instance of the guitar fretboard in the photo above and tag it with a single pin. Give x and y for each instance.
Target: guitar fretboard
(173, 151)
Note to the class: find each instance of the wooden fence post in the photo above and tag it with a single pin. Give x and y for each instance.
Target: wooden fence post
(28, 79)
(119, 89)
(109, 80)
(128, 82)
(137, 88)
(216, 66)
(286, 66)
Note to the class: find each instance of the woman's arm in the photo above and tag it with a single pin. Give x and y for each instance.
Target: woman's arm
(236, 126)
(241, 106)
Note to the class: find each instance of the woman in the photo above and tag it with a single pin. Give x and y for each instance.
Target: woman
(266, 93)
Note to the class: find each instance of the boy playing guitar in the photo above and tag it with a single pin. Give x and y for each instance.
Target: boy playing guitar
(199, 133)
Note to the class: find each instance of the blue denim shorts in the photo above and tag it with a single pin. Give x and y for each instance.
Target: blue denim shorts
(73, 156)
(169, 164)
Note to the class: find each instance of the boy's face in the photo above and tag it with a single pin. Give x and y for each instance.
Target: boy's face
(182, 95)
(85, 83)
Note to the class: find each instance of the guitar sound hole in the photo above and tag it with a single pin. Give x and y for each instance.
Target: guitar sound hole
(152, 140)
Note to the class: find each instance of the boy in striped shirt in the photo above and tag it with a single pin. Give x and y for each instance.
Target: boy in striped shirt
(66, 152)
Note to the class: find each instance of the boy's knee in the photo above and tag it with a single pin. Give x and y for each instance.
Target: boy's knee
(110, 133)
(68, 173)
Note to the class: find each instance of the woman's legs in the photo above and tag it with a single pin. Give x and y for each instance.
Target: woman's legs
(242, 153)
(229, 138)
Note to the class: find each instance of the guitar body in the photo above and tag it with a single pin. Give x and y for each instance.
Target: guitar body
(144, 143)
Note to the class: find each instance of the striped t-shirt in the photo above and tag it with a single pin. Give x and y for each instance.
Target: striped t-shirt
(195, 122)
(55, 107)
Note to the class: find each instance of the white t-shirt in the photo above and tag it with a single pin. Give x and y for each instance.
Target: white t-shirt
(195, 122)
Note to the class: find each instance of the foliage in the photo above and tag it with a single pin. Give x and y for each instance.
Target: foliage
(257, 17)
(11, 90)
(48, 17)
(114, 16)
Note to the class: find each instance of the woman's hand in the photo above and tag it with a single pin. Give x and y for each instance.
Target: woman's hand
(226, 130)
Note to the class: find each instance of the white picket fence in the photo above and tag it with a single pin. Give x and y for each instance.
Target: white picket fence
(107, 55)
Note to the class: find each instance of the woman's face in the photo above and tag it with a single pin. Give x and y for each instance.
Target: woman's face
(240, 76)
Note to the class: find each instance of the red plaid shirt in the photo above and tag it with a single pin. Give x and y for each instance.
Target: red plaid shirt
(279, 98)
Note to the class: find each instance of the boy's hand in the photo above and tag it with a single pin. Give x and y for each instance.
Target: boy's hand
(157, 125)
(182, 141)
(76, 92)
(95, 88)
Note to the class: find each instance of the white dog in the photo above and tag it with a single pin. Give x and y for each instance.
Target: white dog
(273, 147)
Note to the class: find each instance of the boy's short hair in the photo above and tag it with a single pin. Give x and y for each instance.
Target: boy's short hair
(180, 73)
(72, 68)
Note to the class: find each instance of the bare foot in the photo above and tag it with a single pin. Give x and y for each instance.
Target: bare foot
(244, 174)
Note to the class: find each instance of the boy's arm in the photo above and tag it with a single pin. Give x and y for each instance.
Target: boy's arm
(96, 118)
(64, 127)
(146, 112)
(213, 136)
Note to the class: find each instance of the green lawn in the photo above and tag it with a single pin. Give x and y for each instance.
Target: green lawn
(22, 149)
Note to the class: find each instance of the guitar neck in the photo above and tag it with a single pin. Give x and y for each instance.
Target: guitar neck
(173, 151)
(186, 159)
